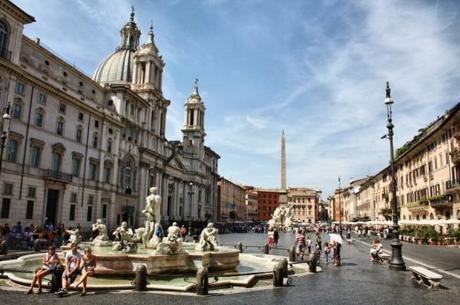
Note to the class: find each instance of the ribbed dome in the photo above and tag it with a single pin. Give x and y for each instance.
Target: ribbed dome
(116, 68)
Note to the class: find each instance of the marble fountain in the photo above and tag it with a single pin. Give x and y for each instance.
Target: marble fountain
(169, 261)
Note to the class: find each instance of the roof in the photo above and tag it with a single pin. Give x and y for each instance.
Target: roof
(16, 11)
(116, 68)
(428, 131)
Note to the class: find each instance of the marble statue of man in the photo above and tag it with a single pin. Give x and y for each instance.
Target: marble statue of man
(152, 213)
(208, 239)
(102, 229)
(172, 244)
(124, 237)
(174, 230)
(75, 236)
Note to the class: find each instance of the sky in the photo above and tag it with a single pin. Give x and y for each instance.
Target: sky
(316, 69)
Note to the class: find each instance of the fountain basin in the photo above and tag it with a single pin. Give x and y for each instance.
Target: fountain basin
(124, 264)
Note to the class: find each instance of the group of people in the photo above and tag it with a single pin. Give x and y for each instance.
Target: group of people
(20, 237)
(75, 264)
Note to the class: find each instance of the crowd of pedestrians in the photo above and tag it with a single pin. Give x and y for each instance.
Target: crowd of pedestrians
(22, 238)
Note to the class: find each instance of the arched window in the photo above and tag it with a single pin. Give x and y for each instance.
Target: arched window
(60, 126)
(3, 40)
(39, 117)
(431, 216)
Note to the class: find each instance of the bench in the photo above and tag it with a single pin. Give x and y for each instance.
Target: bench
(425, 276)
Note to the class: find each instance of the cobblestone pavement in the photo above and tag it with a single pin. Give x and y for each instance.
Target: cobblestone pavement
(357, 282)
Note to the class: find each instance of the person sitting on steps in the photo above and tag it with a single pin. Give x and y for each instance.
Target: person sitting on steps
(50, 262)
(87, 266)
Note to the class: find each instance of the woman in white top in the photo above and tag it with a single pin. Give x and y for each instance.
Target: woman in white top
(50, 262)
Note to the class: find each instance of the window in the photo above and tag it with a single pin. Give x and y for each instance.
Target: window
(109, 146)
(20, 88)
(31, 192)
(60, 127)
(107, 173)
(8, 189)
(78, 137)
(93, 171)
(12, 150)
(62, 108)
(89, 213)
(56, 162)
(3, 40)
(39, 117)
(76, 164)
(17, 110)
(73, 197)
(96, 124)
(72, 212)
(104, 211)
(35, 157)
(80, 116)
(30, 209)
(91, 199)
(5, 213)
(95, 140)
(42, 99)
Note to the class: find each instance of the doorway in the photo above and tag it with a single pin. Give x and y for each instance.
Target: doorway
(52, 206)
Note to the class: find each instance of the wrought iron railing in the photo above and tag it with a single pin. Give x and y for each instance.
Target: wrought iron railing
(57, 175)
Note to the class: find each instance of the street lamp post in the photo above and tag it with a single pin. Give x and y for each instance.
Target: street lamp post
(190, 194)
(5, 128)
(396, 261)
(340, 210)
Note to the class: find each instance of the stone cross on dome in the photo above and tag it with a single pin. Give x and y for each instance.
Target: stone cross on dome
(195, 90)
(132, 13)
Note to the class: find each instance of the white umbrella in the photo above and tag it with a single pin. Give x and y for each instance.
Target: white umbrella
(336, 238)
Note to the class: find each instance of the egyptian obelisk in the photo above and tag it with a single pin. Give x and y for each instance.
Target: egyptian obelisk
(283, 162)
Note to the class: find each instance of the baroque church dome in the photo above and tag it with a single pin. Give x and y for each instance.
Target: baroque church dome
(118, 66)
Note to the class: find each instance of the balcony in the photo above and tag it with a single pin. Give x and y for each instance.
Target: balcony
(452, 187)
(455, 154)
(56, 176)
(443, 201)
(418, 205)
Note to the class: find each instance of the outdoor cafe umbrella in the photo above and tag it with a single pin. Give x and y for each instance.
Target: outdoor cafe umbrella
(336, 237)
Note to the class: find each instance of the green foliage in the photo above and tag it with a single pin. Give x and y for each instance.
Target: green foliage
(455, 233)
(437, 198)
(427, 232)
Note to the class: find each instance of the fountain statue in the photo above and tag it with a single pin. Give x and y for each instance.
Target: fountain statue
(208, 239)
(172, 244)
(102, 239)
(153, 217)
(124, 239)
(75, 236)
(282, 217)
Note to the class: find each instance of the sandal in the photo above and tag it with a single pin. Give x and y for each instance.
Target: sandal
(39, 291)
(30, 291)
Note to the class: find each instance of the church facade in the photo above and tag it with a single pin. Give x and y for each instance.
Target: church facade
(80, 148)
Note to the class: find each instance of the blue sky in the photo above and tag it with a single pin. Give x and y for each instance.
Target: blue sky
(316, 69)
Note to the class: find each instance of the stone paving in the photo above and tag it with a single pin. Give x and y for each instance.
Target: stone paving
(357, 282)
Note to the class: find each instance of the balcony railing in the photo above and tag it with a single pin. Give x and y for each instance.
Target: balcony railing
(417, 205)
(57, 175)
(455, 154)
